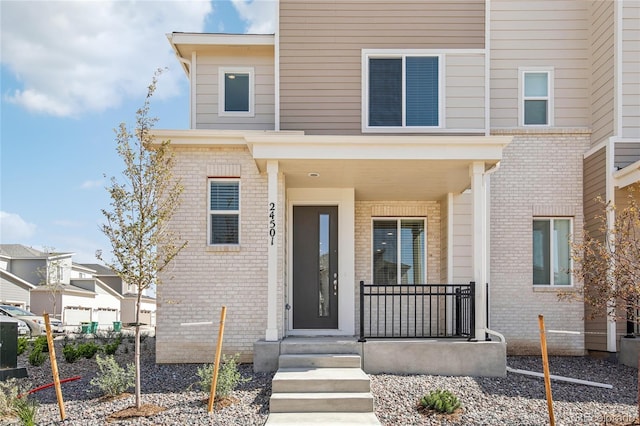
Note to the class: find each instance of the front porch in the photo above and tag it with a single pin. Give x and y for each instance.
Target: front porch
(395, 356)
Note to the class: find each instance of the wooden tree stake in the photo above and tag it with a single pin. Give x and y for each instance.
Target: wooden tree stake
(216, 365)
(54, 366)
(545, 365)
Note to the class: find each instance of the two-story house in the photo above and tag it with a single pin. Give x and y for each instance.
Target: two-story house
(396, 169)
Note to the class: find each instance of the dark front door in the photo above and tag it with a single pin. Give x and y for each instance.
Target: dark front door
(315, 267)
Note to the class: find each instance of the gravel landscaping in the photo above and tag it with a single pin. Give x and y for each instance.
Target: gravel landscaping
(514, 400)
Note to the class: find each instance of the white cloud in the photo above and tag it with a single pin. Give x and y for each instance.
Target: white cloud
(73, 56)
(90, 184)
(259, 14)
(13, 228)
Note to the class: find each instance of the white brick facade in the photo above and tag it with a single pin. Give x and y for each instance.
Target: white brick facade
(540, 175)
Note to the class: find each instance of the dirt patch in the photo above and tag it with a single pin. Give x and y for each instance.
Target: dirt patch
(146, 410)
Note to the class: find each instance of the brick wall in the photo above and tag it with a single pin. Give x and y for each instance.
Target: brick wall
(203, 278)
(540, 175)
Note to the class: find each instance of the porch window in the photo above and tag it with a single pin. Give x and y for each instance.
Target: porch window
(399, 251)
(536, 101)
(402, 91)
(224, 211)
(552, 251)
(236, 97)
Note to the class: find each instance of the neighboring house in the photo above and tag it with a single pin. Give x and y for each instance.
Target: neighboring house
(77, 293)
(398, 144)
(128, 294)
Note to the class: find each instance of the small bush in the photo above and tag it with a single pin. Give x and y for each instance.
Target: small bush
(23, 343)
(228, 376)
(36, 357)
(87, 349)
(26, 409)
(42, 342)
(70, 353)
(111, 348)
(9, 392)
(112, 379)
(441, 401)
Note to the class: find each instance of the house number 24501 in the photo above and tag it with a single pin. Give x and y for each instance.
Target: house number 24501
(272, 222)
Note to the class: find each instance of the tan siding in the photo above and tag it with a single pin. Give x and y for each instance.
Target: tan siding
(462, 239)
(444, 241)
(464, 91)
(626, 153)
(602, 69)
(545, 33)
(321, 52)
(631, 69)
(261, 59)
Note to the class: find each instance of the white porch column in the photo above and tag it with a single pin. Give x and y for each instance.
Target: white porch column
(476, 172)
(273, 213)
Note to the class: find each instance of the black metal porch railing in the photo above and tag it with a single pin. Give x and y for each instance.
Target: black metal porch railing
(417, 311)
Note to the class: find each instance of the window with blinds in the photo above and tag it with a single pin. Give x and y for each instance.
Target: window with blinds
(224, 211)
(403, 91)
(399, 251)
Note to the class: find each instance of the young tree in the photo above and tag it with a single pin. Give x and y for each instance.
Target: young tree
(51, 276)
(609, 263)
(141, 208)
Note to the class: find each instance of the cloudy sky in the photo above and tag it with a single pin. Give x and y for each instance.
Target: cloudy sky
(71, 71)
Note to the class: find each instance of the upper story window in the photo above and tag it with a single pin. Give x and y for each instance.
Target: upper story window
(536, 100)
(552, 251)
(401, 91)
(224, 211)
(235, 94)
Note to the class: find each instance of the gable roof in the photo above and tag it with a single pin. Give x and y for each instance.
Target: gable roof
(100, 269)
(19, 251)
(7, 276)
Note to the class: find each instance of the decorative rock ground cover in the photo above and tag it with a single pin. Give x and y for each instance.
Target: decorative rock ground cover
(514, 400)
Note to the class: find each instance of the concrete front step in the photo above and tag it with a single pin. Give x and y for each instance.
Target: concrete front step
(309, 402)
(322, 419)
(290, 380)
(319, 361)
(314, 345)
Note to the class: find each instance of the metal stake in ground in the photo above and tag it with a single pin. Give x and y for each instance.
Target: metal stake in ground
(54, 366)
(216, 365)
(545, 365)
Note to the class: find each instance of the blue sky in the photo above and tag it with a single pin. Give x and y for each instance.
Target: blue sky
(71, 71)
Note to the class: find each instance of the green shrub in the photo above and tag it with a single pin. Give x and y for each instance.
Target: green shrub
(87, 349)
(441, 401)
(70, 353)
(228, 376)
(112, 379)
(26, 409)
(23, 343)
(36, 357)
(42, 342)
(111, 348)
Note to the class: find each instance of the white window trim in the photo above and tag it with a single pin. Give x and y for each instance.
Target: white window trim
(398, 254)
(221, 104)
(552, 253)
(212, 212)
(549, 98)
(401, 53)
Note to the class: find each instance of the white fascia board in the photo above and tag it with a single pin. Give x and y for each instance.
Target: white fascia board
(108, 289)
(211, 136)
(627, 176)
(385, 148)
(204, 39)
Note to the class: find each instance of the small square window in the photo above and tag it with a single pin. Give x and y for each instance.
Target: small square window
(236, 97)
(224, 211)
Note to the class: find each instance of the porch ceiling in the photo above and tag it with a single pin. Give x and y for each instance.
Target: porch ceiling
(378, 167)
